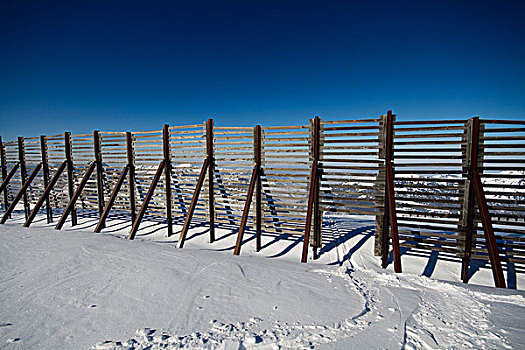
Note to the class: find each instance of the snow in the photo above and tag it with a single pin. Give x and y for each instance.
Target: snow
(74, 289)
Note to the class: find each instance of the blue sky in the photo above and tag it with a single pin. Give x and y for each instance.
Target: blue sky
(111, 65)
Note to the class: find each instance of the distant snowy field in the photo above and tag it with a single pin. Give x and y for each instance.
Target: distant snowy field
(73, 289)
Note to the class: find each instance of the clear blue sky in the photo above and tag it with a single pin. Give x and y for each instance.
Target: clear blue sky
(111, 65)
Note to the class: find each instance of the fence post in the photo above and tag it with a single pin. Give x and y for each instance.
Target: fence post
(45, 172)
(211, 166)
(475, 195)
(389, 216)
(258, 189)
(131, 176)
(467, 219)
(313, 194)
(317, 239)
(167, 173)
(4, 173)
(380, 190)
(100, 170)
(23, 173)
(70, 174)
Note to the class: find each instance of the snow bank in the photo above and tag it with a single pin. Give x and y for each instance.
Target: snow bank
(73, 289)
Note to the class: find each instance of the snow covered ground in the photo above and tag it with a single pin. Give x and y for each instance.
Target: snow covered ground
(73, 289)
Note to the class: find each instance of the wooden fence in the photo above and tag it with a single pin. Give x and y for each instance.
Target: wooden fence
(454, 186)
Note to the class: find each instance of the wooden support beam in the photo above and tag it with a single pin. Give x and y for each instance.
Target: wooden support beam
(476, 191)
(193, 203)
(385, 232)
(23, 173)
(317, 239)
(311, 195)
(45, 172)
(472, 153)
(490, 239)
(167, 179)
(71, 205)
(145, 204)
(257, 143)
(396, 251)
(246, 211)
(211, 165)
(8, 178)
(20, 193)
(70, 174)
(100, 171)
(5, 178)
(131, 178)
(390, 216)
(102, 221)
(313, 207)
(46, 193)
(469, 229)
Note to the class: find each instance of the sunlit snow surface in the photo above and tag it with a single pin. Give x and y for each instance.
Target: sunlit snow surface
(73, 289)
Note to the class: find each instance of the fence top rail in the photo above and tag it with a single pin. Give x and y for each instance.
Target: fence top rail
(502, 121)
(55, 138)
(350, 121)
(147, 132)
(123, 133)
(192, 126)
(245, 128)
(285, 127)
(423, 122)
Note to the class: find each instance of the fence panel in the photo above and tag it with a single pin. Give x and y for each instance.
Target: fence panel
(286, 170)
(502, 171)
(82, 151)
(187, 151)
(11, 159)
(113, 148)
(429, 185)
(234, 162)
(148, 153)
(59, 196)
(33, 156)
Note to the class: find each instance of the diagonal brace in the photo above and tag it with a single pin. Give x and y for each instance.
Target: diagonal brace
(9, 177)
(102, 222)
(488, 229)
(21, 193)
(193, 203)
(46, 193)
(76, 195)
(246, 211)
(145, 204)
